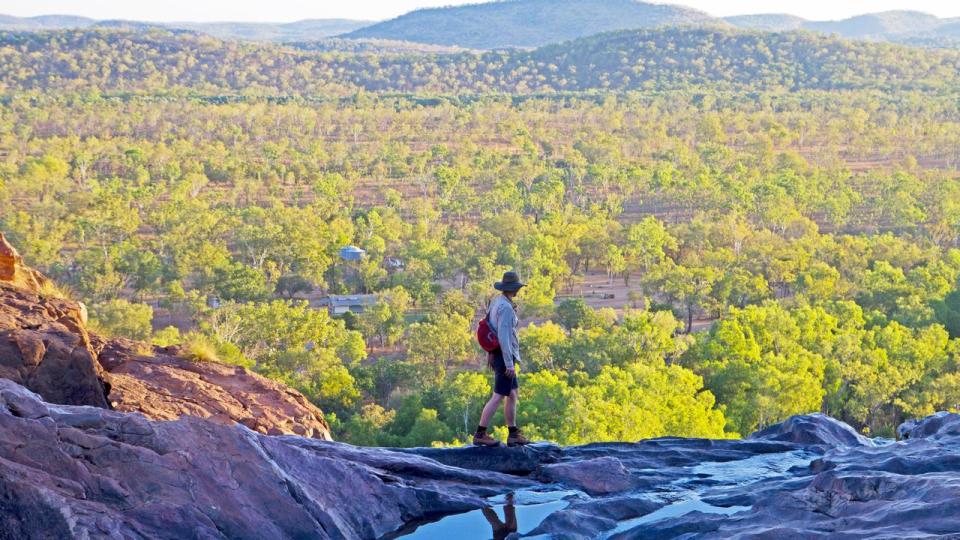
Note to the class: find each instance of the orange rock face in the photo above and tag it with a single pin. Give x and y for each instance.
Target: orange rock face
(14, 272)
(9, 260)
(164, 386)
(45, 346)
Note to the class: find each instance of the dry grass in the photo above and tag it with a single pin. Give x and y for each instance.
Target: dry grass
(199, 349)
(50, 289)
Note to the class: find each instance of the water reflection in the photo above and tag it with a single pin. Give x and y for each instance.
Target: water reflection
(511, 513)
(502, 529)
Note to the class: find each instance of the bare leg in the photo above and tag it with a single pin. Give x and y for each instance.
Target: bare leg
(490, 409)
(510, 408)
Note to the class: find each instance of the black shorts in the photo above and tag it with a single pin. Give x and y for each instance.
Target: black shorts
(502, 384)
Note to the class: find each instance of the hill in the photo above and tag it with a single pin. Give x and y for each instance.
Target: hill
(661, 59)
(519, 23)
(878, 26)
(773, 22)
(44, 22)
(896, 26)
(527, 23)
(310, 29)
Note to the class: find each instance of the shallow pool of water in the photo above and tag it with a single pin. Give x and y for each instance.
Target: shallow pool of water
(518, 512)
(524, 510)
(754, 469)
(676, 509)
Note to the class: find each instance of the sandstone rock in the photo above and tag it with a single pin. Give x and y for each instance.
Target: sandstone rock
(71, 472)
(517, 460)
(588, 519)
(44, 346)
(598, 476)
(164, 386)
(14, 272)
(813, 429)
(936, 425)
(9, 260)
(83, 472)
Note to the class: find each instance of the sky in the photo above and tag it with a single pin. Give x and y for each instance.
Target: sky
(292, 10)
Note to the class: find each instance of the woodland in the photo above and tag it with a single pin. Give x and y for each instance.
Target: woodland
(780, 210)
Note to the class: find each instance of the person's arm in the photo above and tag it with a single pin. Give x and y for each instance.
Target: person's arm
(506, 319)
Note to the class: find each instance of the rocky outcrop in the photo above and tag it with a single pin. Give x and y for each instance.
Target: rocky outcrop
(163, 385)
(85, 472)
(14, 272)
(45, 346)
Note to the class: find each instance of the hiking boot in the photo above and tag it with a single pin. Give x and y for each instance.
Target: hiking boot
(517, 439)
(484, 439)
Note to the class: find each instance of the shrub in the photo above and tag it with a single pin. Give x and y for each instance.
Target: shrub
(120, 318)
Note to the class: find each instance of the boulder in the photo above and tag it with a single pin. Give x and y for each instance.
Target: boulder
(813, 430)
(521, 460)
(597, 476)
(934, 426)
(45, 347)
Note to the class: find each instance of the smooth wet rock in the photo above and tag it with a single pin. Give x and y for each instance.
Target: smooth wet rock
(936, 425)
(598, 476)
(588, 519)
(813, 429)
(76, 472)
(84, 472)
(520, 460)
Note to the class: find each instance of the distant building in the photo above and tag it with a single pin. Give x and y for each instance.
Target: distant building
(352, 253)
(353, 303)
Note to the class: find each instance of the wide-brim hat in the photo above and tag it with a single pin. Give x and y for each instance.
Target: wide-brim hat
(510, 282)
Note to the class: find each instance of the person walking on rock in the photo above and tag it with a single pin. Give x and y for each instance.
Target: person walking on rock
(502, 317)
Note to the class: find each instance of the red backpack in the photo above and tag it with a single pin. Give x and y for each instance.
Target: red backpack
(486, 336)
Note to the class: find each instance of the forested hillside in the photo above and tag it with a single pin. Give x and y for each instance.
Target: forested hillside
(527, 23)
(895, 26)
(161, 62)
(767, 252)
(310, 29)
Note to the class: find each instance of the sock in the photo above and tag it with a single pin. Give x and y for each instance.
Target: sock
(513, 429)
(481, 430)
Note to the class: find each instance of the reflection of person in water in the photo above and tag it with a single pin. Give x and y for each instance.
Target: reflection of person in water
(502, 529)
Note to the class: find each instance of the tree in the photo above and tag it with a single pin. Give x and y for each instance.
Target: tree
(759, 370)
(120, 318)
(385, 319)
(464, 398)
(439, 341)
(575, 313)
(426, 430)
(240, 283)
(538, 342)
(291, 285)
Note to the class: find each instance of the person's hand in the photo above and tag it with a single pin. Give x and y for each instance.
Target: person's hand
(511, 372)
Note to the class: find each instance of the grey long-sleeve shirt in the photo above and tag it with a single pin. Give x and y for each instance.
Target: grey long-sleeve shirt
(503, 317)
